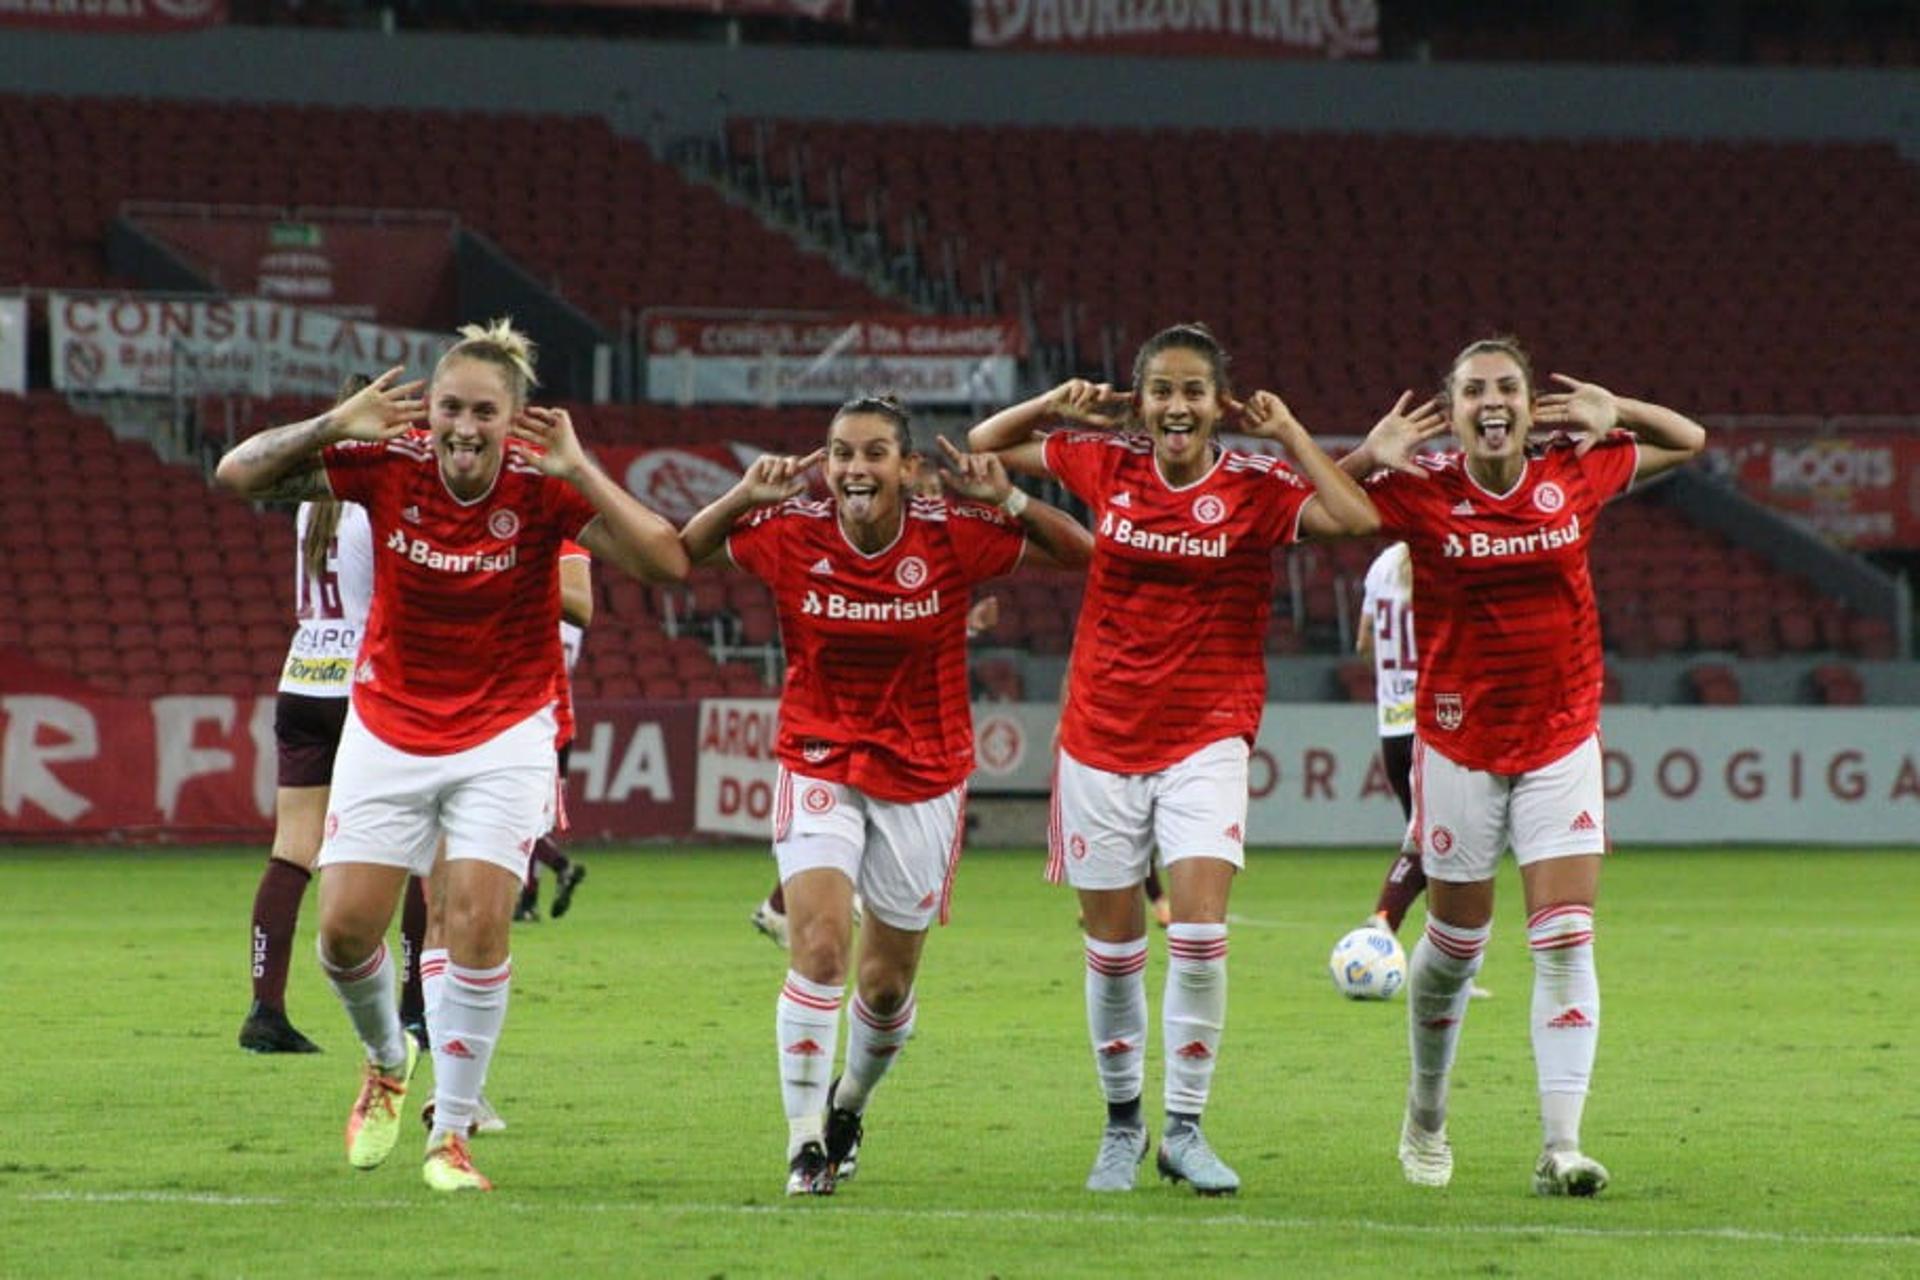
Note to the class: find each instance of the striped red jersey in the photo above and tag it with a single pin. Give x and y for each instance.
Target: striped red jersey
(460, 641)
(876, 694)
(1503, 607)
(1169, 654)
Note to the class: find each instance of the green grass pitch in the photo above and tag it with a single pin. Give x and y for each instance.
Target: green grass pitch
(1757, 1096)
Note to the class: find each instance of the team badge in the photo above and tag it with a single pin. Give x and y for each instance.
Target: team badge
(1077, 846)
(817, 799)
(1209, 509)
(910, 572)
(1448, 710)
(503, 523)
(1549, 497)
(1441, 841)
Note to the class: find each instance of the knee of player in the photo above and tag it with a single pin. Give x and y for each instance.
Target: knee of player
(819, 950)
(345, 942)
(883, 988)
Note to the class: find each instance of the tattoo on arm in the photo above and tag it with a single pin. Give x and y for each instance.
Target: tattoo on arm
(281, 449)
(297, 486)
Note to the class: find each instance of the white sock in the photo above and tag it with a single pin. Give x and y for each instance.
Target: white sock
(806, 1024)
(433, 982)
(367, 993)
(1439, 987)
(1566, 1018)
(463, 1026)
(1117, 1016)
(873, 1042)
(1193, 1012)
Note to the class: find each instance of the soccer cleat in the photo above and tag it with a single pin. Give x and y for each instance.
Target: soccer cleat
(527, 910)
(448, 1167)
(770, 922)
(844, 1131)
(566, 882)
(267, 1030)
(1122, 1148)
(1568, 1173)
(810, 1173)
(1186, 1157)
(374, 1122)
(1426, 1157)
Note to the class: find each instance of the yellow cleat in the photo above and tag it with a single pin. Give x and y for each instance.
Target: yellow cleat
(374, 1124)
(449, 1168)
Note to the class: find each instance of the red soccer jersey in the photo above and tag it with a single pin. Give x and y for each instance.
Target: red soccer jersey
(1503, 608)
(460, 641)
(876, 693)
(1169, 654)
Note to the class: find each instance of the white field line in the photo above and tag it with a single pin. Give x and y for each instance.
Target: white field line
(1050, 1217)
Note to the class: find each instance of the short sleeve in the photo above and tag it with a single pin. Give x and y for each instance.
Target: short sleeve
(1286, 494)
(754, 544)
(1394, 497)
(1082, 461)
(1610, 464)
(353, 469)
(986, 542)
(571, 512)
(571, 550)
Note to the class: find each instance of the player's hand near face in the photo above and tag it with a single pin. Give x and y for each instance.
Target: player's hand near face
(1586, 409)
(561, 453)
(776, 477)
(1089, 404)
(979, 476)
(1398, 436)
(1264, 416)
(380, 410)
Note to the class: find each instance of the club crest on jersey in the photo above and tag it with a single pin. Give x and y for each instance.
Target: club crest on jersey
(1441, 841)
(1448, 710)
(910, 572)
(1077, 846)
(503, 523)
(817, 799)
(1549, 497)
(1209, 509)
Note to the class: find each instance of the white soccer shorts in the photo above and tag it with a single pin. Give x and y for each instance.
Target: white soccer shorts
(1105, 825)
(1463, 819)
(491, 801)
(900, 856)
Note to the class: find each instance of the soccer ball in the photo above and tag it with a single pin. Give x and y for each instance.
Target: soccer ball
(1368, 964)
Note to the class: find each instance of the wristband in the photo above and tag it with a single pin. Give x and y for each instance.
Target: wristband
(1014, 503)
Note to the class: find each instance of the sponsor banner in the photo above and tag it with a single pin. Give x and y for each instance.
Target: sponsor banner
(630, 774)
(397, 271)
(678, 481)
(113, 16)
(838, 11)
(75, 763)
(771, 359)
(1858, 489)
(131, 342)
(1185, 28)
(13, 344)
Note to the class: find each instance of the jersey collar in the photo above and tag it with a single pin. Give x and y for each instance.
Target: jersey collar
(1219, 456)
(1526, 469)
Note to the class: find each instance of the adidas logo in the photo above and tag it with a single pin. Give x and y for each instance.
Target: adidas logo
(1114, 1048)
(411, 514)
(807, 1048)
(1571, 1020)
(1463, 508)
(1194, 1051)
(1584, 822)
(823, 567)
(1234, 834)
(1124, 498)
(457, 1049)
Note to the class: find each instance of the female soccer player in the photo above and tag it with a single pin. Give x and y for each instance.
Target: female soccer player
(1165, 690)
(333, 582)
(1507, 751)
(452, 726)
(876, 738)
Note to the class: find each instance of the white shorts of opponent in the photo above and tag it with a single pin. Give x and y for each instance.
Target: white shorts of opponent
(492, 801)
(900, 856)
(1463, 820)
(1105, 825)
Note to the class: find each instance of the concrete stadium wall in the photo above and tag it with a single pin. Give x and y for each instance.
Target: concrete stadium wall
(681, 88)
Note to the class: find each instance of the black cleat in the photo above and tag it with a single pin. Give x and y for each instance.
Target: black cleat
(268, 1031)
(565, 883)
(810, 1173)
(527, 910)
(843, 1138)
